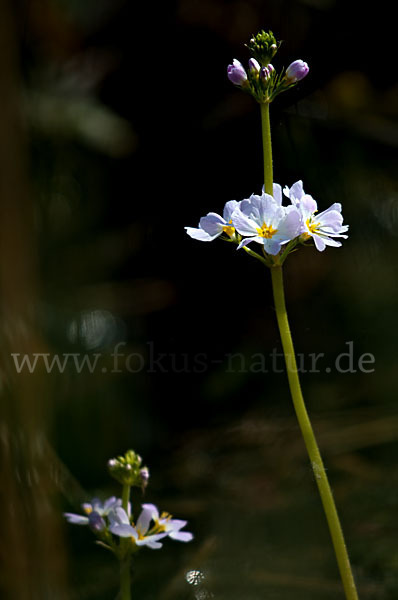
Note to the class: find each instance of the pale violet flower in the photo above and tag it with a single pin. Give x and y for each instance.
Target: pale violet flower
(141, 533)
(262, 219)
(164, 523)
(94, 511)
(120, 525)
(236, 73)
(213, 225)
(322, 227)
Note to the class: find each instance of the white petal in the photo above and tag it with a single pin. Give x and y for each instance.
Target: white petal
(277, 191)
(329, 242)
(308, 206)
(197, 233)
(319, 242)
(181, 536)
(119, 515)
(244, 224)
(153, 545)
(76, 519)
(153, 510)
(174, 524)
(272, 246)
(144, 519)
(212, 223)
(122, 530)
(246, 242)
(229, 208)
(290, 227)
(295, 193)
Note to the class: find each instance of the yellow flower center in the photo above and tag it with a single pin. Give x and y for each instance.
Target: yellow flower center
(228, 229)
(141, 536)
(313, 227)
(266, 231)
(161, 527)
(88, 510)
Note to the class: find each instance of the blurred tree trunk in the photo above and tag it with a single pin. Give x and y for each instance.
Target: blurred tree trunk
(31, 548)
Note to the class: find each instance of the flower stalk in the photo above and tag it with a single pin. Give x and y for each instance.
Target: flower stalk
(126, 497)
(318, 468)
(280, 230)
(267, 148)
(125, 579)
(125, 561)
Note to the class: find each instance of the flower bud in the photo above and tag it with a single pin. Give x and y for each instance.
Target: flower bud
(296, 71)
(254, 67)
(96, 522)
(144, 473)
(127, 469)
(236, 73)
(263, 46)
(266, 72)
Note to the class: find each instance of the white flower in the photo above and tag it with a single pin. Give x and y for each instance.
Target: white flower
(164, 523)
(120, 526)
(213, 225)
(262, 219)
(141, 533)
(322, 227)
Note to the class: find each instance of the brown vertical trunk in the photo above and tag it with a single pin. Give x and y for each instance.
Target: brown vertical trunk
(31, 550)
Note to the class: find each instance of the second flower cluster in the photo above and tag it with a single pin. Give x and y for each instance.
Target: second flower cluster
(109, 518)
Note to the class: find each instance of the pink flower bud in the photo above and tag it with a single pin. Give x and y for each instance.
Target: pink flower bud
(254, 67)
(236, 73)
(296, 71)
(266, 72)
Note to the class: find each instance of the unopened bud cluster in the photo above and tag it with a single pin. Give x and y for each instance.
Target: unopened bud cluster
(128, 470)
(263, 47)
(261, 80)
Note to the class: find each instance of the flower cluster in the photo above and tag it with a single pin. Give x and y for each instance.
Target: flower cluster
(128, 470)
(263, 219)
(261, 79)
(113, 521)
(110, 521)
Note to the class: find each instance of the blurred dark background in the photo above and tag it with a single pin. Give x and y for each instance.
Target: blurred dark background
(118, 127)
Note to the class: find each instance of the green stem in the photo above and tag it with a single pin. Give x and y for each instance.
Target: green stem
(126, 497)
(125, 578)
(267, 148)
(255, 255)
(295, 389)
(125, 584)
(309, 438)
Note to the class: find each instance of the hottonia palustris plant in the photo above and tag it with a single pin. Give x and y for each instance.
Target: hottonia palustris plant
(278, 230)
(113, 523)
